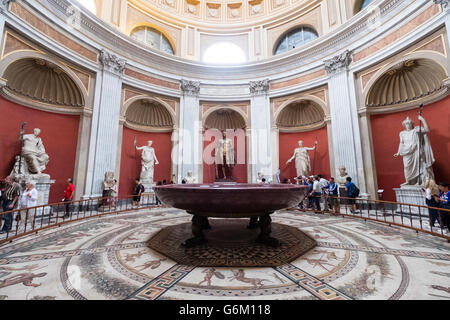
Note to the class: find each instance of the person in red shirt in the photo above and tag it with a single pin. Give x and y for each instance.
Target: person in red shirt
(68, 196)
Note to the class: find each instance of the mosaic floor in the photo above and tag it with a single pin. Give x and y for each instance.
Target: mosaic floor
(107, 258)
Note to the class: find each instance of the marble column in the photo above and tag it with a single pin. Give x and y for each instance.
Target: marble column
(275, 135)
(330, 146)
(189, 137)
(261, 140)
(105, 123)
(345, 128)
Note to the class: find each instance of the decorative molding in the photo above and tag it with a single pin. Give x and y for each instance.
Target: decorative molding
(2, 83)
(189, 87)
(338, 63)
(112, 63)
(4, 4)
(259, 87)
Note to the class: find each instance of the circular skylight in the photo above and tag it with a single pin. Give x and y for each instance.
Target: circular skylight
(224, 53)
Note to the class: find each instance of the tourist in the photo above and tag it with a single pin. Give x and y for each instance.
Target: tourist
(352, 193)
(323, 186)
(138, 190)
(316, 193)
(27, 200)
(69, 193)
(164, 182)
(157, 201)
(430, 192)
(333, 189)
(113, 193)
(443, 198)
(10, 201)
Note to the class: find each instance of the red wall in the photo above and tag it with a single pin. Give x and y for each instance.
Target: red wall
(385, 134)
(288, 142)
(130, 168)
(239, 170)
(59, 134)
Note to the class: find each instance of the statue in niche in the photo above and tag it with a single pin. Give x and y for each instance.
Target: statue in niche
(302, 161)
(148, 162)
(224, 157)
(33, 152)
(415, 148)
(189, 179)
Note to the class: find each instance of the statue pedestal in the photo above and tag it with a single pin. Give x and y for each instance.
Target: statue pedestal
(148, 187)
(411, 195)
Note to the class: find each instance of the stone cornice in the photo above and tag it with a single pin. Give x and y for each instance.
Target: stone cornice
(320, 49)
(259, 87)
(338, 63)
(112, 63)
(189, 87)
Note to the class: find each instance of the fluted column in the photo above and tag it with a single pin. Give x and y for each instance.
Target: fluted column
(105, 122)
(261, 140)
(189, 152)
(345, 128)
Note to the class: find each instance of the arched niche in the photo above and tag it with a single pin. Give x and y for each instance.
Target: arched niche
(406, 83)
(35, 80)
(223, 119)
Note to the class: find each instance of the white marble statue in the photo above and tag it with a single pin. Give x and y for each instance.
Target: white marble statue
(33, 152)
(341, 179)
(302, 161)
(148, 163)
(190, 179)
(416, 159)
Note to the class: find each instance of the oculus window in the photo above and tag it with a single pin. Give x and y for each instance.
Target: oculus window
(224, 53)
(295, 38)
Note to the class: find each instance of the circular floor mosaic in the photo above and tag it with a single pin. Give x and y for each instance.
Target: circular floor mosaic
(231, 244)
(109, 258)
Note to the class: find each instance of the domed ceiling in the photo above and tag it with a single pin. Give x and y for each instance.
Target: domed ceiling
(223, 12)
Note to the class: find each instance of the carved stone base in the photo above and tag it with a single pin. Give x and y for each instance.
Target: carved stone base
(411, 195)
(148, 187)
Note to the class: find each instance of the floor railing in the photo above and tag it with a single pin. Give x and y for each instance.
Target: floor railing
(411, 216)
(25, 221)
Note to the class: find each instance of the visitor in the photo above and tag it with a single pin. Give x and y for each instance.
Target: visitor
(10, 201)
(323, 186)
(172, 181)
(69, 193)
(310, 183)
(443, 198)
(316, 194)
(352, 193)
(164, 182)
(263, 181)
(157, 201)
(183, 181)
(113, 194)
(138, 190)
(430, 192)
(285, 181)
(333, 189)
(27, 200)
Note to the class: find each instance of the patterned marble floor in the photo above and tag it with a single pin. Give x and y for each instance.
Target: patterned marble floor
(107, 258)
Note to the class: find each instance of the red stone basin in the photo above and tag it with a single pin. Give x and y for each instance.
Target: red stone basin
(231, 200)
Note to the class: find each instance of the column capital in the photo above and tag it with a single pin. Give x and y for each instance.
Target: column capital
(338, 63)
(190, 87)
(444, 3)
(4, 4)
(112, 63)
(260, 87)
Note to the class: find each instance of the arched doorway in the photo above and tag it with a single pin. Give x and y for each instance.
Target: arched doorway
(215, 123)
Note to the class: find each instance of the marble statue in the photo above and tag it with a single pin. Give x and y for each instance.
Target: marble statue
(19, 162)
(302, 161)
(342, 178)
(224, 157)
(148, 163)
(190, 179)
(108, 183)
(416, 159)
(33, 152)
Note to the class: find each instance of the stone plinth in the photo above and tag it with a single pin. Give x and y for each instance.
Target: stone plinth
(411, 195)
